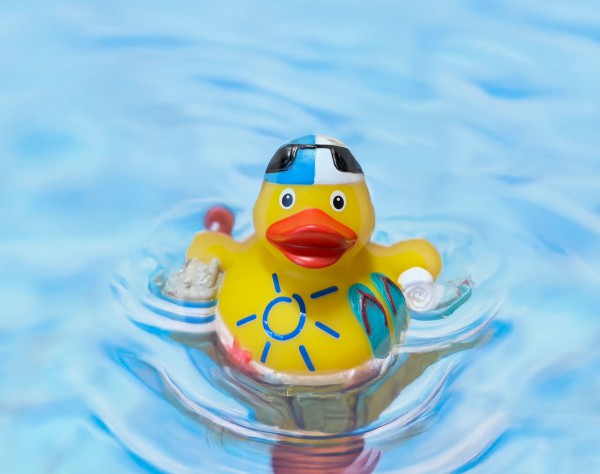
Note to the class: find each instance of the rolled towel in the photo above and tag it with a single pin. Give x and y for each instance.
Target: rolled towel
(420, 290)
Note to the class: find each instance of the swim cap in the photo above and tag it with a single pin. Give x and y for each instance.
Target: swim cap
(314, 159)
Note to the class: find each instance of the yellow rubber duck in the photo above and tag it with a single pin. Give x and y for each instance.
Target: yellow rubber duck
(308, 294)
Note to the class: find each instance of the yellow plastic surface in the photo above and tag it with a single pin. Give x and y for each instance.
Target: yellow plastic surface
(248, 285)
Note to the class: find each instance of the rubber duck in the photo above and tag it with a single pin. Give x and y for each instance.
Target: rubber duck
(308, 294)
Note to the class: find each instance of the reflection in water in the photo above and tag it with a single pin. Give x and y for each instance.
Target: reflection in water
(341, 428)
(350, 458)
(306, 427)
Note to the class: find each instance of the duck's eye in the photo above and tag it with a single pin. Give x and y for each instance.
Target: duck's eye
(338, 201)
(287, 198)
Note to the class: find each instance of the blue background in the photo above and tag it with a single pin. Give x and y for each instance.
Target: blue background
(483, 116)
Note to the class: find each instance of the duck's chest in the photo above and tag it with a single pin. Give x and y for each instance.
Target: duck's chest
(310, 323)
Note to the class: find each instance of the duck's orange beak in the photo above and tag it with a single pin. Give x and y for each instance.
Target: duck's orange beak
(311, 238)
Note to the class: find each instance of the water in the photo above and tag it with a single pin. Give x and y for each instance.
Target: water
(476, 124)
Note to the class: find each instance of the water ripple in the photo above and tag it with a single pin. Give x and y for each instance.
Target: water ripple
(352, 423)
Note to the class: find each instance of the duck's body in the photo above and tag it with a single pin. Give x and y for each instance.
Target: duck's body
(308, 294)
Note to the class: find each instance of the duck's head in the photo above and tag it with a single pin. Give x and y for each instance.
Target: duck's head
(314, 208)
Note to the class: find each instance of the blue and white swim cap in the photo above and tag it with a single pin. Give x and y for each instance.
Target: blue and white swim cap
(314, 159)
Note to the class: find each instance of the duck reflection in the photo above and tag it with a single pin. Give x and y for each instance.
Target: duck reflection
(349, 458)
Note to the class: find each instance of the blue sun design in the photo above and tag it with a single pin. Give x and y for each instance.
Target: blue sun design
(299, 301)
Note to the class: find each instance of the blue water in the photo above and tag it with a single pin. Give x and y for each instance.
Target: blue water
(477, 126)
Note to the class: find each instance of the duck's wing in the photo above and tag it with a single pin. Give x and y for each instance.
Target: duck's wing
(208, 245)
(395, 259)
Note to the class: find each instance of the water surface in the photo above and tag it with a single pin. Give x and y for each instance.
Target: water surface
(476, 124)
